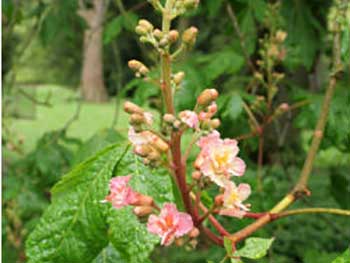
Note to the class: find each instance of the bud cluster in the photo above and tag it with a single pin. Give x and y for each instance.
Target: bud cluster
(146, 143)
(138, 67)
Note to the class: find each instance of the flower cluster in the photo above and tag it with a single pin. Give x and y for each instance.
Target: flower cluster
(168, 225)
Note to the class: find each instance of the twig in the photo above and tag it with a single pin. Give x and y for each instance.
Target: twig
(234, 21)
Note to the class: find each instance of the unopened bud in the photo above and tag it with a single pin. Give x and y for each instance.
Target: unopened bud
(142, 210)
(281, 36)
(143, 70)
(215, 123)
(191, 3)
(146, 25)
(136, 118)
(143, 200)
(140, 30)
(142, 150)
(284, 106)
(135, 65)
(219, 200)
(131, 108)
(160, 144)
(158, 33)
(173, 36)
(189, 36)
(207, 96)
(163, 42)
(178, 77)
(196, 175)
(169, 118)
(179, 242)
(154, 155)
(258, 76)
(177, 124)
(194, 233)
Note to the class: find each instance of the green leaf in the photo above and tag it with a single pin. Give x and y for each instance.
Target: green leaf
(129, 236)
(255, 248)
(213, 7)
(234, 107)
(109, 255)
(228, 246)
(344, 258)
(73, 228)
(221, 62)
(130, 21)
(112, 29)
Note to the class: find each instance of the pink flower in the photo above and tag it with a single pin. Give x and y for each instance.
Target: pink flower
(190, 118)
(209, 113)
(218, 158)
(169, 224)
(233, 199)
(121, 193)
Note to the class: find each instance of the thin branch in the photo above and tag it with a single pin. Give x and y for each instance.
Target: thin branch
(312, 211)
(242, 43)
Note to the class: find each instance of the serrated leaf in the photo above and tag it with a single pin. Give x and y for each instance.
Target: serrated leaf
(129, 236)
(255, 248)
(73, 228)
(344, 258)
(112, 29)
(154, 182)
(234, 107)
(109, 255)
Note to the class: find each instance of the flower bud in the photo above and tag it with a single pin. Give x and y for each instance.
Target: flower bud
(163, 42)
(281, 36)
(207, 96)
(142, 150)
(219, 200)
(173, 36)
(131, 108)
(160, 144)
(178, 77)
(179, 242)
(215, 123)
(169, 118)
(194, 233)
(191, 3)
(146, 25)
(158, 33)
(189, 36)
(154, 155)
(143, 200)
(196, 175)
(140, 30)
(142, 210)
(135, 65)
(137, 118)
(143, 70)
(284, 106)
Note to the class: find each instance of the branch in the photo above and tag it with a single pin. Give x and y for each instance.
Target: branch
(312, 211)
(301, 186)
(242, 43)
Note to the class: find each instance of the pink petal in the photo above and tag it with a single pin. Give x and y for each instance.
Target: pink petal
(238, 167)
(234, 212)
(185, 224)
(154, 225)
(243, 191)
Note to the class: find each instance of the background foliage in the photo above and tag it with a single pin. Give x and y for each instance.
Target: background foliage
(42, 43)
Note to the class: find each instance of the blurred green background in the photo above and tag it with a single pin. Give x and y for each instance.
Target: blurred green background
(48, 126)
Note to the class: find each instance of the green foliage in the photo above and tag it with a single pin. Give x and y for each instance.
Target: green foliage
(73, 227)
(113, 28)
(108, 255)
(255, 248)
(344, 258)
